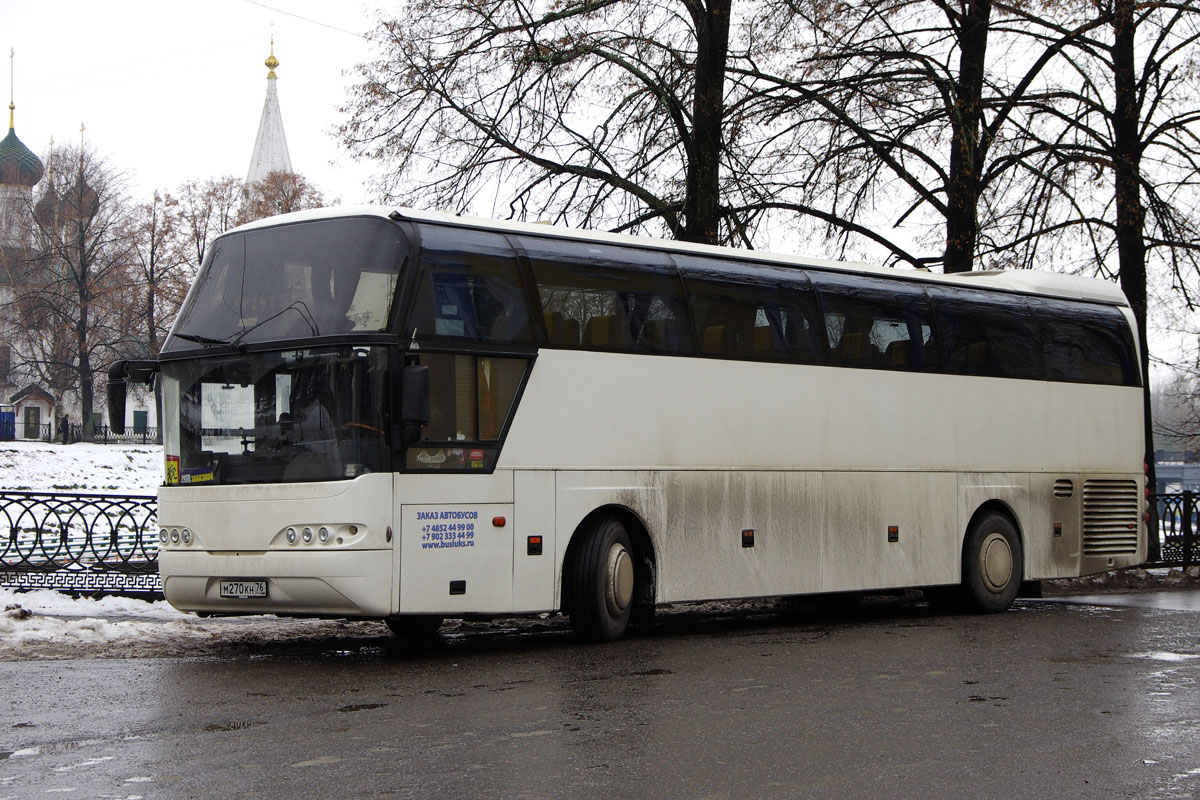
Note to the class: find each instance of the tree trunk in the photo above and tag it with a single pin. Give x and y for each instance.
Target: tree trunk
(966, 152)
(1131, 213)
(702, 202)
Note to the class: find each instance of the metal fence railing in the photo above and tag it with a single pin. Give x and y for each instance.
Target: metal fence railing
(81, 543)
(103, 434)
(1174, 516)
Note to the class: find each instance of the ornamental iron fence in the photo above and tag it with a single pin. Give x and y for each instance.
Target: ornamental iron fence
(73, 432)
(80, 543)
(1174, 516)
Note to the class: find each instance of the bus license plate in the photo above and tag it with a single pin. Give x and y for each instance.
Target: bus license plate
(243, 589)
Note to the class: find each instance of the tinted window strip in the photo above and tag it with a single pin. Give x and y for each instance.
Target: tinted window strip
(1010, 337)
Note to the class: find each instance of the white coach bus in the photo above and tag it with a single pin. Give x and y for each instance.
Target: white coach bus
(410, 416)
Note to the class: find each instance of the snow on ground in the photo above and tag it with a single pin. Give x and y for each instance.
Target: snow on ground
(81, 467)
(46, 625)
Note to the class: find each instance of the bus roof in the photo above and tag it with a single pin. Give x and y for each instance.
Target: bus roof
(1024, 281)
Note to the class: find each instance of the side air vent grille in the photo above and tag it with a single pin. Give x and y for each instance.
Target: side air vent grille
(1110, 517)
(1064, 487)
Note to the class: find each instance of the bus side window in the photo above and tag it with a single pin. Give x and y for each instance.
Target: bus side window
(469, 288)
(602, 297)
(1085, 343)
(988, 334)
(759, 312)
(878, 324)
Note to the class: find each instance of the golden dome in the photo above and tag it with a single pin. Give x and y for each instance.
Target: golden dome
(272, 62)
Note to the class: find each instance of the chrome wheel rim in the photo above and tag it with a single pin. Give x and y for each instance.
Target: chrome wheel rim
(996, 562)
(618, 583)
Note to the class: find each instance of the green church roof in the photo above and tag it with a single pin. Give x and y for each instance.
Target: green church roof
(18, 164)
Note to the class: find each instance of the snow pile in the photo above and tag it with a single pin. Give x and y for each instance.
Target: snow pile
(47, 625)
(81, 467)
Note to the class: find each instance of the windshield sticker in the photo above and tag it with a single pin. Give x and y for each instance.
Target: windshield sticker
(476, 459)
(202, 475)
(172, 470)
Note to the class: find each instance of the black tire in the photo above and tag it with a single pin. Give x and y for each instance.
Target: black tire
(414, 627)
(992, 564)
(599, 581)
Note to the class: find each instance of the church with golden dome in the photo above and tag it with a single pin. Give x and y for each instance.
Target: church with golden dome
(30, 409)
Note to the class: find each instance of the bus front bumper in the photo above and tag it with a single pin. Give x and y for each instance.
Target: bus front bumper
(353, 583)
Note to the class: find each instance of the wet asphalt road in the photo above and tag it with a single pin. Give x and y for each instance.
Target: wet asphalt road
(888, 701)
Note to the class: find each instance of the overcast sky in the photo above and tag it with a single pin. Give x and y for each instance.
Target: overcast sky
(173, 91)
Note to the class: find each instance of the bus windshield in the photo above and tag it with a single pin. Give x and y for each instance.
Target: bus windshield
(297, 281)
(291, 415)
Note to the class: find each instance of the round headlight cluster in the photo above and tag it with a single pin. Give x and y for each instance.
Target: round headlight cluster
(174, 536)
(314, 534)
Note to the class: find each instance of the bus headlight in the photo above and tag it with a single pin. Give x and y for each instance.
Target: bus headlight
(162, 535)
(307, 535)
(290, 535)
(174, 536)
(186, 536)
(323, 535)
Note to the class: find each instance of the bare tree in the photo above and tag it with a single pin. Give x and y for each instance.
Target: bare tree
(206, 210)
(590, 112)
(909, 112)
(279, 192)
(76, 278)
(162, 272)
(1177, 411)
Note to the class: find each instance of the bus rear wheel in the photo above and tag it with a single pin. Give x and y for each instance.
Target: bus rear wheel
(993, 564)
(599, 581)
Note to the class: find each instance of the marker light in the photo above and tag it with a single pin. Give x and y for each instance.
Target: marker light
(499, 522)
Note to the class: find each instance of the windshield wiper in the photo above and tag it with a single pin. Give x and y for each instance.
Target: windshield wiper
(298, 306)
(204, 340)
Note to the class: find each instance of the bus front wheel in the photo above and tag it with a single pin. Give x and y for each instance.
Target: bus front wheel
(600, 579)
(993, 564)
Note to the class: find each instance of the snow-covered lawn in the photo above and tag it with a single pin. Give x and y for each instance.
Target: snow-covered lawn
(81, 467)
(46, 624)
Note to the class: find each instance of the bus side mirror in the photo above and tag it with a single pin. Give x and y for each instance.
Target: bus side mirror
(119, 375)
(117, 383)
(414, 404)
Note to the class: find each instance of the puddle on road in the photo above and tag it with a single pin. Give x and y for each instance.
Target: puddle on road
(361, 707)
(1171, 658)
(1179, 600)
